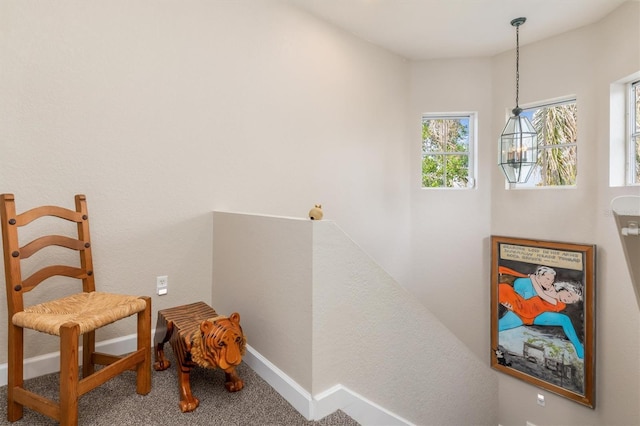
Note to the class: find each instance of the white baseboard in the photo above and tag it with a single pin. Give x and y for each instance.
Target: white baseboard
(336, 398)
(357, 407)
(312, 408)
(283, 384)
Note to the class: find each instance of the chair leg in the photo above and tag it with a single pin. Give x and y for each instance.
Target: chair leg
(143, 370)
(88, 348)
(69, 334)
(15, 376)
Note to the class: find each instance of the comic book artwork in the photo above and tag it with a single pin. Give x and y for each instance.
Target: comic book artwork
(542, 314)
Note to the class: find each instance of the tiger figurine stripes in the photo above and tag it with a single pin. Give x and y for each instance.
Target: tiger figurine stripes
(199, 337)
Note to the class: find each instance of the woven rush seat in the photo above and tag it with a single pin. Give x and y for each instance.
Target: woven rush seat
(89, 310)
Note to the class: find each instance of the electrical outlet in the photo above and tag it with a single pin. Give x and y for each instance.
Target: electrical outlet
(162, 285)
(541, 399)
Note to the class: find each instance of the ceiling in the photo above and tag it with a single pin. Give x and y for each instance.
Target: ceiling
(428, 29)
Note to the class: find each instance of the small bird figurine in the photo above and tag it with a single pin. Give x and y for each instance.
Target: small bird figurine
(316, 212)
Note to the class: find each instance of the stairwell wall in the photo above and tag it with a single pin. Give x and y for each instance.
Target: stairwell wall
(375, 338)
(325, 313)
(584, 63)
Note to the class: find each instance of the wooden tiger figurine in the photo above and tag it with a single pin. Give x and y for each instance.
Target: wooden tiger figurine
(199, 337)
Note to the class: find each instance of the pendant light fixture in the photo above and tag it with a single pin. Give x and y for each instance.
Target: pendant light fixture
(518, 146)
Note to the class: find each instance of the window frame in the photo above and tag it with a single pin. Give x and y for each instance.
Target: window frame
(472, 137)
(633, 123)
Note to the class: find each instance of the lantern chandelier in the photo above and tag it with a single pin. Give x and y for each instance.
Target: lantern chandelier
(518, 148)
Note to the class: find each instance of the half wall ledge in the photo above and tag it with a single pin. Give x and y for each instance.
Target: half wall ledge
(626, 212)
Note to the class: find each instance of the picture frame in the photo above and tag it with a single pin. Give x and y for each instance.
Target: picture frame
(543, 314)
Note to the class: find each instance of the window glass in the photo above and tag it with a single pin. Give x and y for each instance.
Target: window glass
(557, 128)
(447, 149)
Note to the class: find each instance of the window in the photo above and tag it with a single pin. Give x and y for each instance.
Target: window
(634, 133)
(447, 150)
(557, 128)
(624, 128)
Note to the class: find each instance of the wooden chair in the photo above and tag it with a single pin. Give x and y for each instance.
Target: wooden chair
(67, 317)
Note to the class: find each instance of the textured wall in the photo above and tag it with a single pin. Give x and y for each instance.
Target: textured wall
(161, 111)
(262, 268)
(375, 338)
(601, 54)
(318, 307)
(449, 227)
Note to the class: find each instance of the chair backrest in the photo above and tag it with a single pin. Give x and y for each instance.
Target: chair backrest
(14, 254)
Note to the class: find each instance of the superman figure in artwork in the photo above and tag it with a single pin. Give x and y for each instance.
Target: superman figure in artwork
(538, 299)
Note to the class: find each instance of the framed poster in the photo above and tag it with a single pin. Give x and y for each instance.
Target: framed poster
(542, 315)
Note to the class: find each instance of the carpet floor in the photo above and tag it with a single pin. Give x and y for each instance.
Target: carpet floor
(116, 403)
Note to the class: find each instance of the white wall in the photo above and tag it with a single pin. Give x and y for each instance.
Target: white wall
(377, 339)
(600, 55)
(325, 314)
(451, 228)
(168, 110)
(263, 269)
(449, 251)
(162, 111)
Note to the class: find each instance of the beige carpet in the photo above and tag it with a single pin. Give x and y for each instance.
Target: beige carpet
(116, 402)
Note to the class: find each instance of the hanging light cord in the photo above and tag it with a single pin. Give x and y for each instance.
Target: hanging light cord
(517, 66)
(516, 23)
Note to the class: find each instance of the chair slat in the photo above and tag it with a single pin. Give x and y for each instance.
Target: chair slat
(110, 371)
(56, 211)
(37, 402)
(50, 240)
(51, 271)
